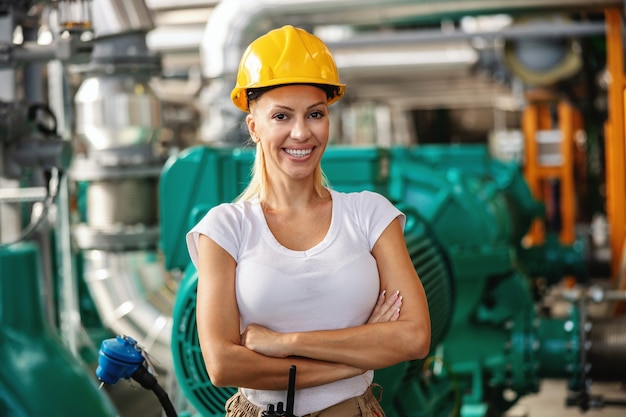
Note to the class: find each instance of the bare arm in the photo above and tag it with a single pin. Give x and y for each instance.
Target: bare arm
(229, 363)
(373, 345)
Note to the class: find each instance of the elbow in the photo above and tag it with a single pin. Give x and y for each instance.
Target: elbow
(424, 343)
(218, 368)
(218, 380)
(422, 349)
(420, 343)
(218, 374)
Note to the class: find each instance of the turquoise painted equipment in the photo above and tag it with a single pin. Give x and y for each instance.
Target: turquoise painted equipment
(39, 376)
(466, 214)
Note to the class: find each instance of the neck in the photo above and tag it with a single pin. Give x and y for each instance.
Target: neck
(293, 197)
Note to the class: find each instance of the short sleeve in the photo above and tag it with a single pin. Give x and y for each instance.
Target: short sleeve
(222, 224)
(376, 213)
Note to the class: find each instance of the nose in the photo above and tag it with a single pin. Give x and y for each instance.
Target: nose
(300, 129)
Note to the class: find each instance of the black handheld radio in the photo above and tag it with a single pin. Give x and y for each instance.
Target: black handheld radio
(278, 411)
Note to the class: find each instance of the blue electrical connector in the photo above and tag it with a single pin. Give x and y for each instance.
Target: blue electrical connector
(122, 357)
(118, 358)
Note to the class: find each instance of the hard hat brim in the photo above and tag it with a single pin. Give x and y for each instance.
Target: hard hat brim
(240, 99)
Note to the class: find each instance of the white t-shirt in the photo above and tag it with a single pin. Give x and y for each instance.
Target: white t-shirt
(333, 285)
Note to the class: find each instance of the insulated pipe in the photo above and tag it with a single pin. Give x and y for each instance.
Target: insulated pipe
(235, 23)
(132, 298)
(118, 118)
(114, 17)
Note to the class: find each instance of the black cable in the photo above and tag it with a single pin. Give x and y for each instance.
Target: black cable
(148, 381)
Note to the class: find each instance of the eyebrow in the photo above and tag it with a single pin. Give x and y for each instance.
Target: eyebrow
(308, 108)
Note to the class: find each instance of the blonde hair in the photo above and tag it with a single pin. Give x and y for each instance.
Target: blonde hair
(259, 183)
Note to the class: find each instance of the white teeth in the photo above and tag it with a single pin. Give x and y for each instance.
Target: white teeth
(298, 153)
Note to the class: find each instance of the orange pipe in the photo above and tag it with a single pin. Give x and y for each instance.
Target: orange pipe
(614, 131)
(530, 125)
(537, 117)
(566, 176)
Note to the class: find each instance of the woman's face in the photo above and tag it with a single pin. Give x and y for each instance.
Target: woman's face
(292, 124)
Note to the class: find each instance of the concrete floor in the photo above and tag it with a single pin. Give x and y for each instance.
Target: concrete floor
(133, 401)
(550, 401)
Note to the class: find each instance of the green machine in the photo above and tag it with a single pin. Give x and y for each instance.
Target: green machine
(466, 216)
(39, 377)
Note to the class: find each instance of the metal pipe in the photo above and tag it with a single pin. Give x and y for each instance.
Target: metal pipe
(10, 214)
(130, 292)
(180, 4)
(536, 30)
(432, 54)
(119, 119)
(69, 305)
(114, 17)
(235, 23)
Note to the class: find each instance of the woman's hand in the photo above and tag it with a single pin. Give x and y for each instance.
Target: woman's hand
(263, 340)
(386, 308)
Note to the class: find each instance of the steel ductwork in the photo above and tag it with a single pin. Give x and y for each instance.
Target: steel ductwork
(118, 124)
(235, 23)
(361, 58)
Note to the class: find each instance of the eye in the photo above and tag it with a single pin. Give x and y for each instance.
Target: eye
(280, 116)
(317, 114)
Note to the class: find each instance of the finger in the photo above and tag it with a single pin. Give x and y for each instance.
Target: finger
(376, 313)
(385, 309)
(391, 307)
(393, 312)
(381, 298)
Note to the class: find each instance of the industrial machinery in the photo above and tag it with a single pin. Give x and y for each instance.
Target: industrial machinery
(33, 166)
(36, 361)
(115, 172)
(42, 333)
(93, 212)
(467, 214)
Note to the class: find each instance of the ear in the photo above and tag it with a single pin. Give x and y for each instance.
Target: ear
(252, 128)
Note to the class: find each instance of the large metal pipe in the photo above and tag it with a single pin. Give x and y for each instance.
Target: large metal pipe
(132, 297)
(361, 57)
(235, 23)
(119, 120)
(113, 17)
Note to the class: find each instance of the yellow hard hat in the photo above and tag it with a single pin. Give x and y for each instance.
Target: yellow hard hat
(287, 55)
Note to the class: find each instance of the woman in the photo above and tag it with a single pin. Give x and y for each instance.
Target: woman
(293, 272)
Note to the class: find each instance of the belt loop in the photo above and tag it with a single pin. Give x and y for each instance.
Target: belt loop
(379, 391)
(370, 404)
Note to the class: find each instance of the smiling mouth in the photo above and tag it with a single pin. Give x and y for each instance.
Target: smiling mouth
(298, 153)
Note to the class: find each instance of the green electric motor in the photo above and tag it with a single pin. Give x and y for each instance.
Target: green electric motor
(205, 172)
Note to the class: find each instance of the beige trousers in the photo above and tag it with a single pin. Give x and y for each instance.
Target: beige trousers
(365, 405)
